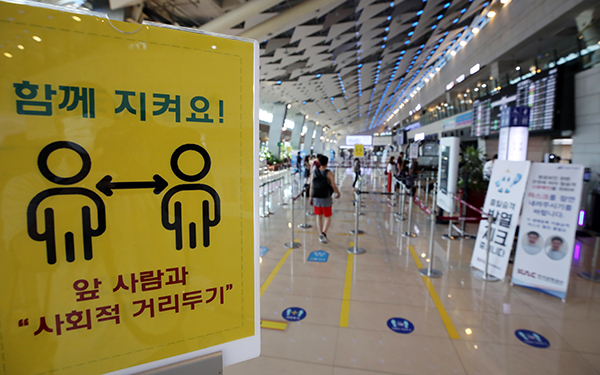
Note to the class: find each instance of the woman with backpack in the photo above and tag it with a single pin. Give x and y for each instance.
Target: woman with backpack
(322, 185)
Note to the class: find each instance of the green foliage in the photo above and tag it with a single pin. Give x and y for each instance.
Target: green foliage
(471, 170)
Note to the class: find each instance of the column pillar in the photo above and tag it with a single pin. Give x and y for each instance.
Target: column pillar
(317, 142)
(298, 119)
(279, 112)
(308, 140)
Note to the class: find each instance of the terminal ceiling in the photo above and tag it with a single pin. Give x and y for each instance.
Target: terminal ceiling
(345, 64)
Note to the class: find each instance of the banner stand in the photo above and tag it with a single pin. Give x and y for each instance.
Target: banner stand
(210, 364)
(593, 275)
(483, 275)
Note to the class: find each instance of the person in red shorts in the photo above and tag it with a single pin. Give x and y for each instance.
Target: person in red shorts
(322, 185)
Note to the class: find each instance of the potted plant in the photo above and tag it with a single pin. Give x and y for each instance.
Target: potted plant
(471, 181)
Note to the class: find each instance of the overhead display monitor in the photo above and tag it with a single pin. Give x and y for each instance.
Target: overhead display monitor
(365, 140)
(537, 92)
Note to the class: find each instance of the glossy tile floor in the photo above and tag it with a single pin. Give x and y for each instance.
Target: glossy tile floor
(385, 283)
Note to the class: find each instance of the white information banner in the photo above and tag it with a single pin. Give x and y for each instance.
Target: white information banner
(548, 226)
(503, 201)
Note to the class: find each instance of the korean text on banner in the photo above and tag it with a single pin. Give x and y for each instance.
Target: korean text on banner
(503, 201)
(548, 226)
(128, 221)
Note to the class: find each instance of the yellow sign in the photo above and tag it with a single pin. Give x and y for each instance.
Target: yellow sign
(127, 175)
(359, 150)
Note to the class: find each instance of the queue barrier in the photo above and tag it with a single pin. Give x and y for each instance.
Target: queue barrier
(292, 244)
(355, 249)
(483, 275)
(429, 271)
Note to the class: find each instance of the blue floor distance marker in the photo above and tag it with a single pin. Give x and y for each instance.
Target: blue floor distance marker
(263, 251)
(318, 256)
(532, 338)
(293, 314)
(400, 325)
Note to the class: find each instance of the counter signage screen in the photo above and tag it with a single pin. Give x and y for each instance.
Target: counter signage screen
(365, 140)
(537, 92)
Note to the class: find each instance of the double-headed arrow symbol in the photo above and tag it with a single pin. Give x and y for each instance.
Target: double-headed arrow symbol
(106, 185)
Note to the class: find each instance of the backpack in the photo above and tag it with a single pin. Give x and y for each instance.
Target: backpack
(320, 184)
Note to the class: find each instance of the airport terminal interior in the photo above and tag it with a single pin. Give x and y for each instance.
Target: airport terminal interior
(428, 96)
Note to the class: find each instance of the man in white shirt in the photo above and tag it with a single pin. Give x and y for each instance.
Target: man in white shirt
(487, 168)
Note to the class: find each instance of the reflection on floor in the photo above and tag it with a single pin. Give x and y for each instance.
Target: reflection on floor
(368, 290)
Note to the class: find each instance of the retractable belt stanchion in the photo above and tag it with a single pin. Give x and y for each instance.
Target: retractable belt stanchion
(265, 213)
(483, 275)
(305, 224)
(269, 192)
(282, 201)
(408, 233)
(355, 249)
(393, 200)
(358, 204)
(430, 271)
(292, 244)
(463, 229)
(449, 235)
(427, 191)
(419, 187)
(593, 274)
(400, 214)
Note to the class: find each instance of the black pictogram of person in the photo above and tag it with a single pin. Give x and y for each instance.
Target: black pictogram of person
(177, 224)
(48, 234)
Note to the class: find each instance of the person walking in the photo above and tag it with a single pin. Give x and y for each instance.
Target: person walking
(356, 170)
(322, 185)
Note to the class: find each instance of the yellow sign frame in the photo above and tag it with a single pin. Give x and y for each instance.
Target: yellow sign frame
(100, 180)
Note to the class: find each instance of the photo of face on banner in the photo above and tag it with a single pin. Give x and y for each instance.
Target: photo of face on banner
(556, 248)
(532, 242)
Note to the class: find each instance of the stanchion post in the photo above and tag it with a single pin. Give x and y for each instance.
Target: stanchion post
(282, 201)
(265, 213)
(427, 191)
(483, 275)
(401, 216)
(393, 200)
(430, 271)
(593, 274)
(305, 225)
(270, 193)
(355, 249)
(449, 236)
(292, 244)
(359, 200)
(408, 233)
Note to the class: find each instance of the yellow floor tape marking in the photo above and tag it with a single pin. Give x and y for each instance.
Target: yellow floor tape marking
(436, 299)
(264, 287)
(271, 324)
(304, 231)
(345, 314)
(348, 234)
